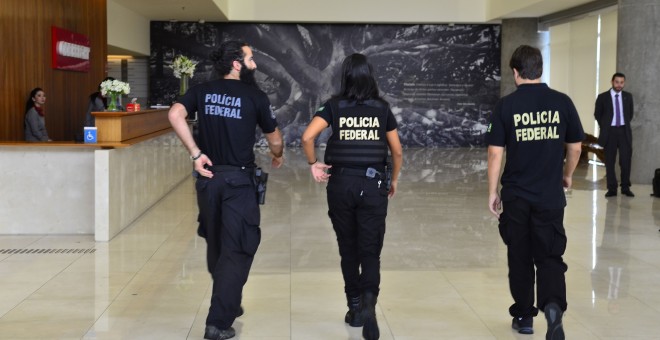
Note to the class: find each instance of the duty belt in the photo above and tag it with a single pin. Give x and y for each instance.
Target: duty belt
(226, 168)
(368, 172)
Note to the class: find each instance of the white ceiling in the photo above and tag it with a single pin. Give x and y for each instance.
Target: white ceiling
(182, 10)
(194, 10)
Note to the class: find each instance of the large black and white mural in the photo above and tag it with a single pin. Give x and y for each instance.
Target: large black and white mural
(442, 81)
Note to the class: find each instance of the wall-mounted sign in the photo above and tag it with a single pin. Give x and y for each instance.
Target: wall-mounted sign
(70, 50)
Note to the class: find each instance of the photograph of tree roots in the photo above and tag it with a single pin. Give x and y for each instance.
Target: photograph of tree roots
(442, 81)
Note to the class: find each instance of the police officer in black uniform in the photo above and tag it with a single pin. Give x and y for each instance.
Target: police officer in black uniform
(229, 110)
(359, 182)
(535, 124)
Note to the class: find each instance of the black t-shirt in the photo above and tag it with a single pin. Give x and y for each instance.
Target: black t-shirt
(359, 133)
(228, 113)
(533, 123)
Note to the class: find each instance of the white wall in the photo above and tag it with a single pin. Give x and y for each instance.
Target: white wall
(383, 11)
(46, 189)
(574, 61)
(130, 180)
(127, 29)
(82, 189)
(608, 34)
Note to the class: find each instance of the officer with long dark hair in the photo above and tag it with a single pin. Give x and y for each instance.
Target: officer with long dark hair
(359, 182)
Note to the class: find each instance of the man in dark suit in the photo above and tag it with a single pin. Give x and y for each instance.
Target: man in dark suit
(614, 111)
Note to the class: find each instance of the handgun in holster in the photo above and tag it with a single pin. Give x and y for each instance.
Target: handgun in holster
(260, 182)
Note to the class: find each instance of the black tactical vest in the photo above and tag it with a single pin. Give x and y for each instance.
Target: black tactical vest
(358, 133)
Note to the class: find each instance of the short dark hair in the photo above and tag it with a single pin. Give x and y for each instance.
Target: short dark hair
(357, 79)
(30, 103)
(619, 74)
(97, 94)
(105, 79)
(224, 57)
(527, 60)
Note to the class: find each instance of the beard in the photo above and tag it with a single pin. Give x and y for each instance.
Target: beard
(247, 76)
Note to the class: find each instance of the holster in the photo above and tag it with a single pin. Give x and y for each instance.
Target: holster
(260, 183)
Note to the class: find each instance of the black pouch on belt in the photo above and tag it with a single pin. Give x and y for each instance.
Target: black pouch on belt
(388, 173)
(260, 182)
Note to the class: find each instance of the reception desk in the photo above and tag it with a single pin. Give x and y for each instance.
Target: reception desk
(114, 127)
(100, 189)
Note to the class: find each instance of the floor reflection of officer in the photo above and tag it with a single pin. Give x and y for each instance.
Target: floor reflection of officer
(363, 128)
(229, 109)
(610, 277)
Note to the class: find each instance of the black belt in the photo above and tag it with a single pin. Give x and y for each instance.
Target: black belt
(617, 127)
(368, 172)
(226, 168)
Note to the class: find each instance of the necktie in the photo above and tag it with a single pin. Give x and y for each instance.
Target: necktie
(617, 119)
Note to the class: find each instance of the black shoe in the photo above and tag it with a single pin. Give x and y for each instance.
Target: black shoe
(628, 193)
(523, 324)
(215, 333)
(610, 193)
(370, 330)
(353, 317)
(553, 315)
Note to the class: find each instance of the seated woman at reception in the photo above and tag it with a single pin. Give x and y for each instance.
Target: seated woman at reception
(35, 121)
(97, 103)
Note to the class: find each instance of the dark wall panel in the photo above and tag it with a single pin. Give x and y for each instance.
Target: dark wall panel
(25, 51)
(442, 81)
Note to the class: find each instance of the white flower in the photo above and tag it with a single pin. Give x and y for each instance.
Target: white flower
(115, 86)
(182, 65)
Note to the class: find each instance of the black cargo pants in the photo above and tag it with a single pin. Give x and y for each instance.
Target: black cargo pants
(230, 216)
(357, 207)
(534, 238)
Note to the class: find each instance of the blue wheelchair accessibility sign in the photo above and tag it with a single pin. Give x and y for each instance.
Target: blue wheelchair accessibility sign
(89, 134)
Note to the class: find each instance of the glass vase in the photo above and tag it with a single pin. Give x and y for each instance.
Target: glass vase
(112, 101)
(183, 85)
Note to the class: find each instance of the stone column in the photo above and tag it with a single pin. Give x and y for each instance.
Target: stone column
(516, 32)
(638, 57)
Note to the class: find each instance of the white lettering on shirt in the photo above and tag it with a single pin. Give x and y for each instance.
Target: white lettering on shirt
(222, 105)
(359, 128)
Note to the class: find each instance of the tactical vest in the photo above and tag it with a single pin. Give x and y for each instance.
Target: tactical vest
(358, 133)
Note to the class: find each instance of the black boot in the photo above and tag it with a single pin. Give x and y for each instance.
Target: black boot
(353, 316)
(370, 330)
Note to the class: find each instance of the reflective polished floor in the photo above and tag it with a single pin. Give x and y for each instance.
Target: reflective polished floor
(444, 272)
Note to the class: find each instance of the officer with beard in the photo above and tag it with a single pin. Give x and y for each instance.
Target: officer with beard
(229, 110)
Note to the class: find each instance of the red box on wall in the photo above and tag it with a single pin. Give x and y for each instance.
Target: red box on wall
(70, 50)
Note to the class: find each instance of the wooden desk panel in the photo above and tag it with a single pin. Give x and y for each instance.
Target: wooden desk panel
(121, 126)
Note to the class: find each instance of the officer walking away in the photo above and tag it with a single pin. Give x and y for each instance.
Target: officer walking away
(534, 124)
(614, 111)
(229, 110)
(359, 182)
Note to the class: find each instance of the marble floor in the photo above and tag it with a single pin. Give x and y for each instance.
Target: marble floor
(444, 273)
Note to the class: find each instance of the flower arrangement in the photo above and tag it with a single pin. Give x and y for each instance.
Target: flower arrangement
(115, 86)
(112, 89)
(183, 66)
